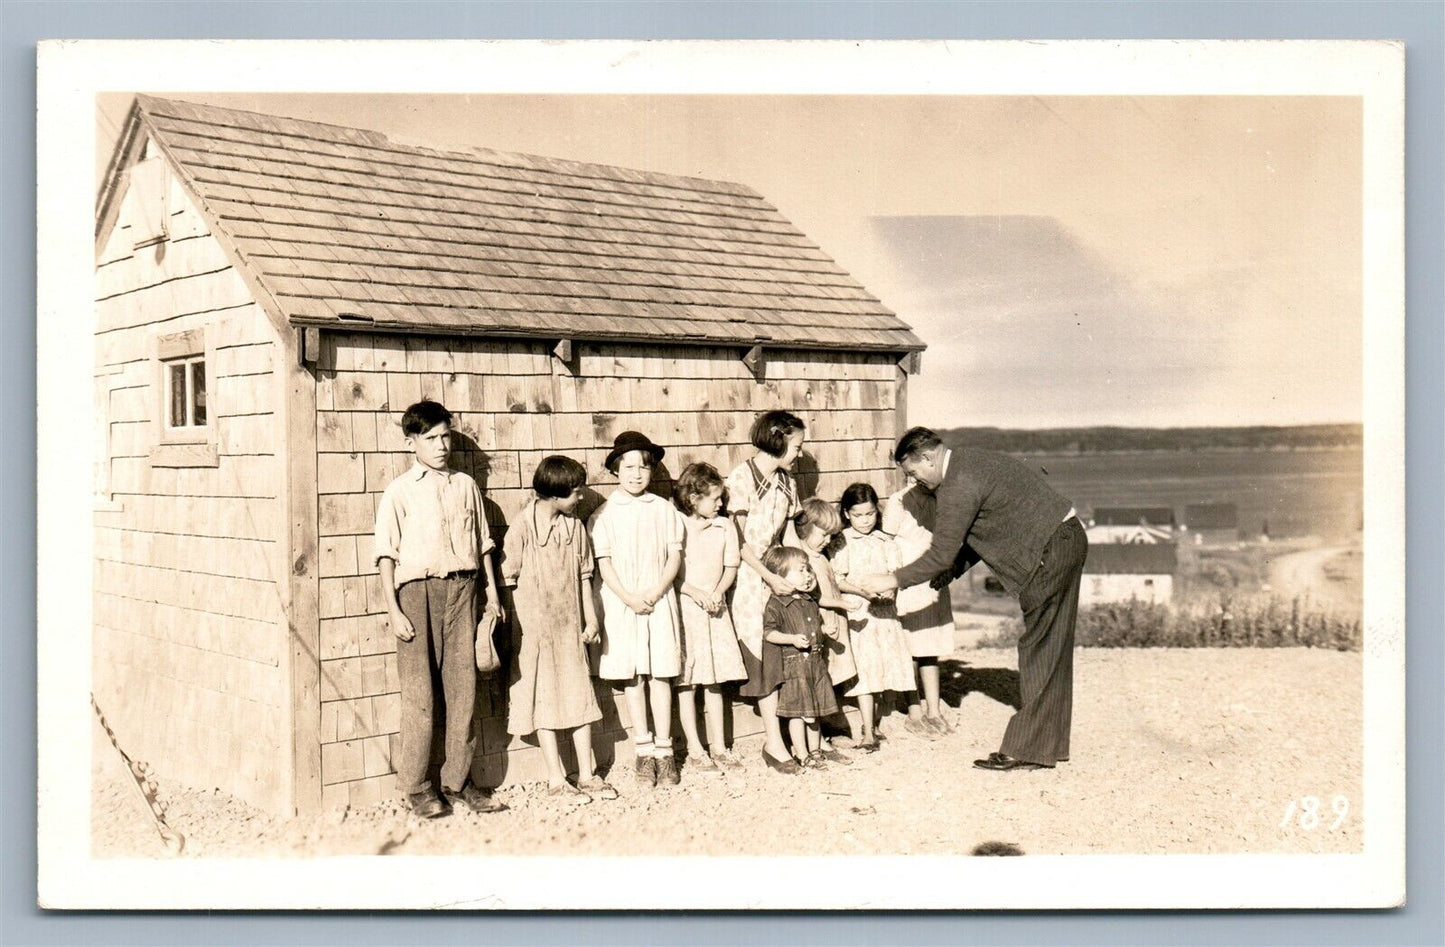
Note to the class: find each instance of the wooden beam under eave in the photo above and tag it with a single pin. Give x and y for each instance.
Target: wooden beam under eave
(911, 363)
(756, 363)
(563, 351)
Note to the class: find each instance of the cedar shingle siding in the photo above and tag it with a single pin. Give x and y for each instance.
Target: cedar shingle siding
(241, 640)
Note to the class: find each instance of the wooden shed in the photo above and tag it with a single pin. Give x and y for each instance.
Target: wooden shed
(271, 294)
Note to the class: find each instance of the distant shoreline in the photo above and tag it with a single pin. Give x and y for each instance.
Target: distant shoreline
(1125, 440)
(1275, 449)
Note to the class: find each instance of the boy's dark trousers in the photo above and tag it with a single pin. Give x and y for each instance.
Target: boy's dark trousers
(443, 613)
(1039, 731)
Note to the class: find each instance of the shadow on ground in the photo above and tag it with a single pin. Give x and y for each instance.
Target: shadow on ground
(957, 679)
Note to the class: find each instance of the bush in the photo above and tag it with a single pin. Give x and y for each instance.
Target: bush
(1225, 622)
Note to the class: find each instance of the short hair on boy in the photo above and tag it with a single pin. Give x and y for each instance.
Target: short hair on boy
(772, 429)
(780, 559)
(914, 441)
(556, 477)
(696, 480)
(855, 494)
(818, 514)
(422, 417)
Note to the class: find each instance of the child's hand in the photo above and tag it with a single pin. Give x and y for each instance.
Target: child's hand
(801, 642)
(401, 627)
(639, 605)
(719, 604)
(941, 581)
(589, 633)
(495, 608)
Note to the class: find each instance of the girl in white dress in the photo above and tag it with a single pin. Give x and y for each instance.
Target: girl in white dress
(926, 611)
(710, 646)
(880, 646)
(637, 540)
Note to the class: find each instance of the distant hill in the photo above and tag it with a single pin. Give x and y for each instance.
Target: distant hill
(1097, 440)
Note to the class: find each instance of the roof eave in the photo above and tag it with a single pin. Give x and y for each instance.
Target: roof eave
(398, 328)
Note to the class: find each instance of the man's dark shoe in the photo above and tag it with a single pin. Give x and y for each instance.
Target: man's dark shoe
(477, 800)
(1002, 762)
(428, 804)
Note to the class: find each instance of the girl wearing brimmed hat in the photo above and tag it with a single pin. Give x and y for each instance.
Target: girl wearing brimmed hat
(637, 539)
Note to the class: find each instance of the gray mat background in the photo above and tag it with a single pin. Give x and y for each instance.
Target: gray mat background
(1420, 24)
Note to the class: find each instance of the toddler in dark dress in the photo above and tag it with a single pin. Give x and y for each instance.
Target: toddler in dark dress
(793, 658)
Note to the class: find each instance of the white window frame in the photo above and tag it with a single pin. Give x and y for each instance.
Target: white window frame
(190, 362)
(188, 445)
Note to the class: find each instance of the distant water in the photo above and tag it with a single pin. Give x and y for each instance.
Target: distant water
(1297, 493)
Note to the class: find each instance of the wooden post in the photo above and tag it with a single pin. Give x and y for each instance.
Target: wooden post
(299, 575)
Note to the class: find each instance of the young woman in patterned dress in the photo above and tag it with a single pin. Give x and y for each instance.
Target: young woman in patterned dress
(762, 497)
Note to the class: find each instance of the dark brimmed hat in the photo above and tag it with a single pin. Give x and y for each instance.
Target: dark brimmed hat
(630, 441)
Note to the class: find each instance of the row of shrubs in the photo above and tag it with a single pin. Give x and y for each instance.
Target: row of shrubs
(1225, 622)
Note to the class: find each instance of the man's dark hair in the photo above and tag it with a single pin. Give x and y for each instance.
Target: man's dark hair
(422, 417)
(915, 441)
(556, 477)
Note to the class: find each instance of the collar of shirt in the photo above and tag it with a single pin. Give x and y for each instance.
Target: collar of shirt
(622, 497)
(556, 526)
(943, 468)
(851, 533)
(420, 470)
(712, 522)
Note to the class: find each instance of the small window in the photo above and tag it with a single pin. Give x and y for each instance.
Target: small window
(1149, 583)
(185, 380)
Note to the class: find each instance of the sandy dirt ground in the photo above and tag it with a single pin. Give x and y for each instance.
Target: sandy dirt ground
(1174, 751)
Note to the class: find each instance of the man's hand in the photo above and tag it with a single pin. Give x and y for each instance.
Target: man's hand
(495, 608)
(876, 586)
(401, 626)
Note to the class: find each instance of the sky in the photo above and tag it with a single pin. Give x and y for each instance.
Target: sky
(1157, 261)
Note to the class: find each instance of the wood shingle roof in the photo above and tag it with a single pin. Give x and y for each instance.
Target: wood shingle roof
(343, 226)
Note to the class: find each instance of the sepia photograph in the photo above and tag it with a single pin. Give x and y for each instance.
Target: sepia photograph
(648, 473)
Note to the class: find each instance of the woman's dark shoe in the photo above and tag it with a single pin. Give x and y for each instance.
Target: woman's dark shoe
(428, 804)
(788, 766)
(1002, 763)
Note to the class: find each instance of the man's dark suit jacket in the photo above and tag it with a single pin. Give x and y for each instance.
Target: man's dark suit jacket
(990, 507)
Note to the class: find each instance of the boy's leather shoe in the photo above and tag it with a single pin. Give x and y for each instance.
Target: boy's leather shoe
(1003, 762)
(428, 804)
(476, 800)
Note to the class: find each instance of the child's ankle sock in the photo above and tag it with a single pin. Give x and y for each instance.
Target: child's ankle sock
(642, 745)
(661, 748)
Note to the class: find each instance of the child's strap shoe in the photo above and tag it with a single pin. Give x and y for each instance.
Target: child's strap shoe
(667, 771)
(646, 771)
